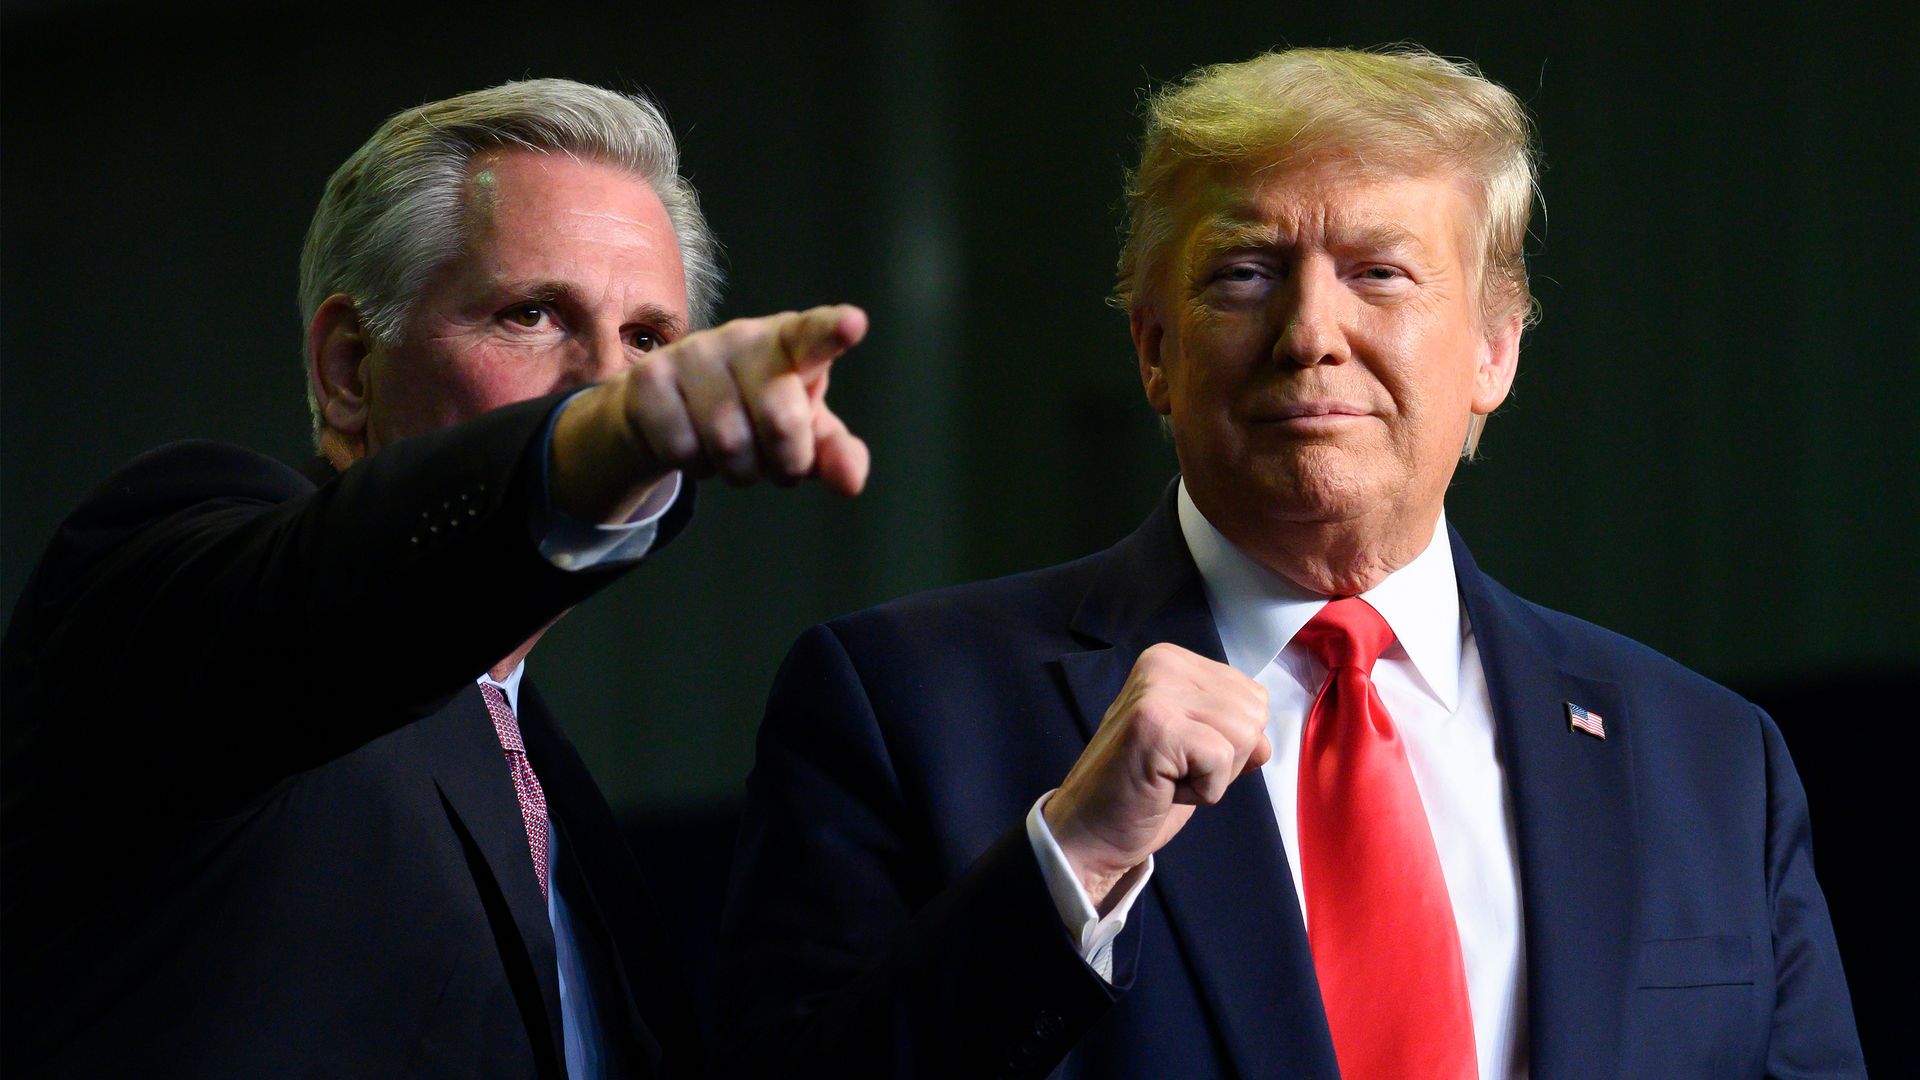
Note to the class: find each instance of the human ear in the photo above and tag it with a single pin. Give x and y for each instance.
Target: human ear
(1499, 362)
(1143, 322)
(337, 369)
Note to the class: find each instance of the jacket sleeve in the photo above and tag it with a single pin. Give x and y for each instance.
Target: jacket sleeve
(843, 953)
(288, 624)
(1813, 1032)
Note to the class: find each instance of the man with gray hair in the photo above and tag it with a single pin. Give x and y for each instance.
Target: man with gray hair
(278, 801)
(1283, 785)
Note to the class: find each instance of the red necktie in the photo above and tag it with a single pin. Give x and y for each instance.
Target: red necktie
(533, 801)
(1378, 918)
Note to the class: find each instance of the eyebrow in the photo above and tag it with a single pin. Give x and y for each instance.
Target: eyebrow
(1223, 235)
(1380, 236)
(549, 291)
(1231, 233)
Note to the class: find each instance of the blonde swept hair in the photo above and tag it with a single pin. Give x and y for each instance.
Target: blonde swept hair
(1398, 109)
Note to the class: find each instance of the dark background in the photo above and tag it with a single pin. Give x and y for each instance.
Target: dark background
(1711, 446)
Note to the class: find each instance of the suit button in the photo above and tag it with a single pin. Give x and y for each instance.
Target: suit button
(1049, 1026)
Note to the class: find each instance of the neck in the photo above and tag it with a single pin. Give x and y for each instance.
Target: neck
(1332, 558)
(505, 667)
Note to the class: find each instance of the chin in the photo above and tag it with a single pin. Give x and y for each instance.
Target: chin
(1321, 483)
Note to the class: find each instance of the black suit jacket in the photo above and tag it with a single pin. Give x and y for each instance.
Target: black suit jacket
(257, 821)
(888, 917)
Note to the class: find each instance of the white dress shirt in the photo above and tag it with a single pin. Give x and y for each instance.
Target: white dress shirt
(1433, 686)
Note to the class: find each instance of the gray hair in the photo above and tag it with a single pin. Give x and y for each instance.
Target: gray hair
(391, 215)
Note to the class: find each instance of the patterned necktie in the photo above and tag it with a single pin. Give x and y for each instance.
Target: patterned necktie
(533, 801)
(1379, 921)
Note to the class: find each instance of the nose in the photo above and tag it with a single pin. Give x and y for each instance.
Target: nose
(1313, 311)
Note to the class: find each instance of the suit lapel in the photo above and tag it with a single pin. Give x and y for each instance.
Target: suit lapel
(1223, 881)
(1574, 825)
(471, 772)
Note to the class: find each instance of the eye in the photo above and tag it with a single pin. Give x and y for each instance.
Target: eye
(1241, 272)
(528, 315)
(645, 340)
(1381, 273)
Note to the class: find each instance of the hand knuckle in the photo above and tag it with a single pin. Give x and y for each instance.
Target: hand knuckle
(654, 375)
(1156, 659)
(789, 416)
(1155, 722)
(681, 448)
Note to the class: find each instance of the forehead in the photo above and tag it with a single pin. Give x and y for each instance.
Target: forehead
(1333, 202)
(524, 191)
(540, 220)
(520, 172)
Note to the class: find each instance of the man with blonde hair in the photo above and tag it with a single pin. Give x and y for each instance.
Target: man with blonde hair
(278, 801)
(1283, 785)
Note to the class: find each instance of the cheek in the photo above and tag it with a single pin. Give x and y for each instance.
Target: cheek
(482, 384)
(429, 391)
(1443, 395)
(1431, 376)
(1213, 359)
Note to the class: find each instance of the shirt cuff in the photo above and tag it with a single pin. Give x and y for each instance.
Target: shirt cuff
(1092, 934)
(571, 544)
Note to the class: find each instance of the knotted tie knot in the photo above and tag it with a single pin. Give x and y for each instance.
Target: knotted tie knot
(1346, 633)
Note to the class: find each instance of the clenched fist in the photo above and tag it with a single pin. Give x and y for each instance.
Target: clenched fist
(745, 401)
(1182, 729)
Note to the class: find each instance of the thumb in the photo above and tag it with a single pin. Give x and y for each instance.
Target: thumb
(1262, 753)
(840, 457)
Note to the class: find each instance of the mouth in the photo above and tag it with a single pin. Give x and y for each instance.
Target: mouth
(1320, 414)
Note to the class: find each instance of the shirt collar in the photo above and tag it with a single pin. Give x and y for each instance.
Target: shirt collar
(509, 686)
(1258, 612)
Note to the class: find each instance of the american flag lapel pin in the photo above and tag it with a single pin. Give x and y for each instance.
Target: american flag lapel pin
(1579, 719)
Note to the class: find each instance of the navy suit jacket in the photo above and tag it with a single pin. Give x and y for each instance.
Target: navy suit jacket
(888, 917)
(258, 822)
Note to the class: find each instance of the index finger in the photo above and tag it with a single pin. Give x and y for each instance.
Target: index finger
(815, 336)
